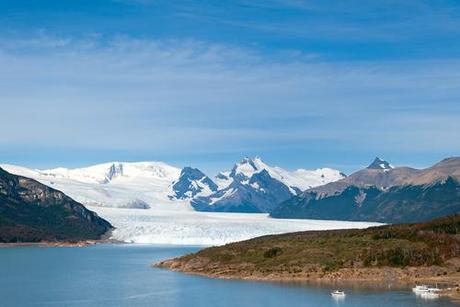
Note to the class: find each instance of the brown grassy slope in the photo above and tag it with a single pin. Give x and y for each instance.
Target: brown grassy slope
(410, 251)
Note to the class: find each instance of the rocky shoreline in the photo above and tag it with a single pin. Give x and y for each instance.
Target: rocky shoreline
(105, 239)
(48, 244)
(430, 274)
(384, 277)
(58, 244)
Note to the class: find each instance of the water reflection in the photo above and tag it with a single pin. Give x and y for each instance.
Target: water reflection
(338, 299)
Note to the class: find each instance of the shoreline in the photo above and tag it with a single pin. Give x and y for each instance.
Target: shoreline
(377, 278)
(346, 275)
(83, 243)
(406, 254)
(104, 239)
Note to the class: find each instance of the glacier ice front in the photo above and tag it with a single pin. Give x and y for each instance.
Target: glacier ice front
(181, 226)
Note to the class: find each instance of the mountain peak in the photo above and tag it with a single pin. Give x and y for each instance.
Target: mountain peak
(192, 182)
(115, 170)
(192, 173)
(247, 160)
(247, 167)
(381, 164)
(254, 162)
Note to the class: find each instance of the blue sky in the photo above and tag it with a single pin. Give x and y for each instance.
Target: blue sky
(205, 83)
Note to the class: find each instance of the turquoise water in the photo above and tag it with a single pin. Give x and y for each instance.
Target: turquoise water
(120, 275)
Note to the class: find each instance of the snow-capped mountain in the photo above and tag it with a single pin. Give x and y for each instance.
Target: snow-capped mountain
(259, 193)
(114, 184)
(298, 180)
(192, 182)
(253, 186)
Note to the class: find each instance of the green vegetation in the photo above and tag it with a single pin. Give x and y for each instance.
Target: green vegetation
(398, 204)
(33, 212)
(299, 254)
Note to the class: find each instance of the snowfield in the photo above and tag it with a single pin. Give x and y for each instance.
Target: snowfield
(180, 225)
(112, 184)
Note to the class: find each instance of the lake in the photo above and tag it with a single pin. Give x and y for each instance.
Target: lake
(121, 275)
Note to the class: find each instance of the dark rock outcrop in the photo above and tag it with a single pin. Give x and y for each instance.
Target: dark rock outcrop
(380, 164)
(33, 212)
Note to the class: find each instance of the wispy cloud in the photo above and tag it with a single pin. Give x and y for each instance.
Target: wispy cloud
(196, 96)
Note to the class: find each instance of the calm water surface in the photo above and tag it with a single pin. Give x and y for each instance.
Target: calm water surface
(120, 275)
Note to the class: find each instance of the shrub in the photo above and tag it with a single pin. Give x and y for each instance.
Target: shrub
(273, 252)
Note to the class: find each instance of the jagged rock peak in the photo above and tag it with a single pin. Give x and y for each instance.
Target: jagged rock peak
(192, 182)
(247, 167)
(191, 173)
(381, 164)
(115, 170)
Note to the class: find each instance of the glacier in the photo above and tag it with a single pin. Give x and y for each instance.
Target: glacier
(179, 224)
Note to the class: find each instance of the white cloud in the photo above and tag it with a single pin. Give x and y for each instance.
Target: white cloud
(194, 96)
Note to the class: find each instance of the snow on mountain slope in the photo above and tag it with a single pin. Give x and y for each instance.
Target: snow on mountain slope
(380, 164)
(253, 186)
(300, 179)
(260, 193)
(140, 184)
(118, 172)
(115, 184)
(223, 180)
(192, 182)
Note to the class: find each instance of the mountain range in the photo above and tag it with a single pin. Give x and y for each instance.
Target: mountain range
(382, 193)
(253, 186)
(250, 186)
(378, 193)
